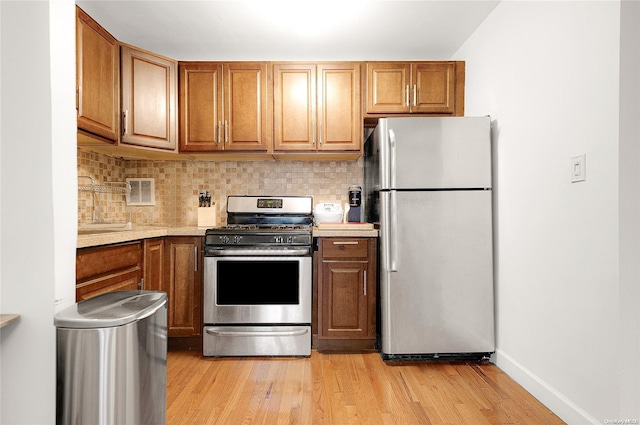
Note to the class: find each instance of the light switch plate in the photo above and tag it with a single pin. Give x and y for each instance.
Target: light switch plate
(579, 168)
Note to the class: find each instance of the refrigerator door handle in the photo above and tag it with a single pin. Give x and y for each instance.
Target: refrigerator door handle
(392, 236)
(392, 219)
(392, 159)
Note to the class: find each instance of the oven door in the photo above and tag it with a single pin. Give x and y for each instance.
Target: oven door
(255, 290)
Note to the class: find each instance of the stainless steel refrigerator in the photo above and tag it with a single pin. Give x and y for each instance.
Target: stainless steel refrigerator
(428, 186)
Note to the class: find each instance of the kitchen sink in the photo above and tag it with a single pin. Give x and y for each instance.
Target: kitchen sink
(96, 231)
(98, 228)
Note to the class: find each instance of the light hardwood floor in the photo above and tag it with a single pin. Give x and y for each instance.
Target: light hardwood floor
(343, 389)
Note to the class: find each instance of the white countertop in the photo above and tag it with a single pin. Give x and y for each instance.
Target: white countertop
(138, 232)
(345, 233)
(147, 232)
(6, 319)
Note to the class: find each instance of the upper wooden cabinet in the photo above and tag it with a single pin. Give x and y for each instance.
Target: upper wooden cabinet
(415, 88)
(97, 79)
(317, 107)
(223, 106)
(149, 99)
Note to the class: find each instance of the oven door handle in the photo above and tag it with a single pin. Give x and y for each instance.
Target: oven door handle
(256, 252)
(257, 333)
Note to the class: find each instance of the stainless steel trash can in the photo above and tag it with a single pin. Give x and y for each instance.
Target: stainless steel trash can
(112, 360)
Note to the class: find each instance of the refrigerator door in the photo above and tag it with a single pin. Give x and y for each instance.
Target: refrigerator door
(436, 272)
(435, 153)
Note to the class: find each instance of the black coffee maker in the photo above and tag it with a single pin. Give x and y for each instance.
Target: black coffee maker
(355, 200)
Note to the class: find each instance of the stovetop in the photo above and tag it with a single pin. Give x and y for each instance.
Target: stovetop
(264, 221)
(223, 237)
(268, 214)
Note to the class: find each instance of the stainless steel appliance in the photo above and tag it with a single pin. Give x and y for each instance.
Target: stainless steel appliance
(428, 185)
(258, 277)
(112, 359)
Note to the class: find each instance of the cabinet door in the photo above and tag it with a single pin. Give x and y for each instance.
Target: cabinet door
(388, 87)
(97, 78)
(149, 99)
(294, 99)
(339, 113)
(246, 121)
(184, 281)
(200, 107)
(343, 300)
(346, 293)
(154, 264)
(433, 88)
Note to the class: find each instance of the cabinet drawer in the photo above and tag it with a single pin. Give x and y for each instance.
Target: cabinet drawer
(92, 262)
(119, 281)
(345, 247)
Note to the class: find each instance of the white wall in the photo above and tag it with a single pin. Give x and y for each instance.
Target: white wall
(36, 156)
(549, 75)
(630, 210)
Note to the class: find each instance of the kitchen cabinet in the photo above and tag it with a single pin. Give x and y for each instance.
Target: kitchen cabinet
(317, 107)
(149, 99)
(415, 88)
(97, 79)
(108, 268)
(154, 260)
(346, 293)
(224, 107)
(183, 283)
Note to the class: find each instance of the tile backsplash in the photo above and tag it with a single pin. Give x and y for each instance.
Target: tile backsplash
(177, 184)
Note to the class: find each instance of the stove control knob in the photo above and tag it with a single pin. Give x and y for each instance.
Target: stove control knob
(278, 239)
(224, 239)
(290, 239)
(237, 239)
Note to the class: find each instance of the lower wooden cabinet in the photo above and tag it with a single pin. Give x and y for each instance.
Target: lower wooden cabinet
(108, 268)
(170, 264)
(346, 293)
(154, 259)
(183, 283)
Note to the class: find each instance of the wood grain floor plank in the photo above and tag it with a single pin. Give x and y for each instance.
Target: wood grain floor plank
(337, 389)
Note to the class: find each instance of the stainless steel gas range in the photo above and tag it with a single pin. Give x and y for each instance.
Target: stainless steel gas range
(257, 278)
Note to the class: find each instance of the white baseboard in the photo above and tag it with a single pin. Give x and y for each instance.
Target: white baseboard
(555, 401)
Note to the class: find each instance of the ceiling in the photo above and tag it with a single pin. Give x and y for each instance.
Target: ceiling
(292, 29)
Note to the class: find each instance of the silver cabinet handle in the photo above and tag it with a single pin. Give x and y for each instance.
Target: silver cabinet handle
(365, 283)
(125, 129)
(406, 94)
(226, 131)
(219, 132)
(415, 95)
(345, 243)
(195, 259)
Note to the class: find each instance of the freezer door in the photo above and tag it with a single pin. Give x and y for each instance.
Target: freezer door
(434, 152)
(437, 273)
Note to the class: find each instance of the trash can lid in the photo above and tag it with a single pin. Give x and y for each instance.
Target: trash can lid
(111, 309)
